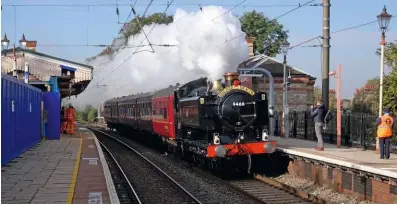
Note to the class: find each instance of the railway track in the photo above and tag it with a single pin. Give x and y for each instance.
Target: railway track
(125, 191)
(267, 193)
(151, 185)
(261, 189)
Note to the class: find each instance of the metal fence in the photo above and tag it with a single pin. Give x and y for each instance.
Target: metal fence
(358, 130)
(20, 117)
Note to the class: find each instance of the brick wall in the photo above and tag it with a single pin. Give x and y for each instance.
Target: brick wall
(365, 188)
(300, 92)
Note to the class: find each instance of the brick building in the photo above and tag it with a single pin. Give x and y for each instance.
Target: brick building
(300, 95)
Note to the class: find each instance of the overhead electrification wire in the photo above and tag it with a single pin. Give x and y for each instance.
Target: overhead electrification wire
(103, 62)
(136, 51)
(142, 5)
(140, 25)
(228, 10)
(337, 31)
(298, 7)
(102, 45)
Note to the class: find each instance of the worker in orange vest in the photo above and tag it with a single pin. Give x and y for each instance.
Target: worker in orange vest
(70, 113)
(384, 133)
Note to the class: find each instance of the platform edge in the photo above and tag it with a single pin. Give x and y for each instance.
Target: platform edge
(385, 173)
(114, 199)
(75, 173)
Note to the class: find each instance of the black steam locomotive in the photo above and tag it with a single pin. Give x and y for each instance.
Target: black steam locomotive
(218, 120)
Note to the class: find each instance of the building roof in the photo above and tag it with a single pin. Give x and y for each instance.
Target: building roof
(273, 65)
(19, 49)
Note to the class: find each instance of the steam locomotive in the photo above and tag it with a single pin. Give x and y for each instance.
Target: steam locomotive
(213, 124)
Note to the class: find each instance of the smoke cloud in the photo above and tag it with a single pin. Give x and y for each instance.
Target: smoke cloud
(201, 51)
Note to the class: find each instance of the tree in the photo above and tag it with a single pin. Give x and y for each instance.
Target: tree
(366, 99)
(92, 114)
(133, 27)
(390, 81)
(390, 92)
(317, 95)
(390, 55)
(269, 35)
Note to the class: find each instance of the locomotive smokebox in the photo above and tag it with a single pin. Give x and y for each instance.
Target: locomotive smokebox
(230, 77)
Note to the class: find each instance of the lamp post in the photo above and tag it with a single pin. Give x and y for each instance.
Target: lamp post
(5, 43)
(285, 93)
(383, 20)
(337, 75)
(23, 41)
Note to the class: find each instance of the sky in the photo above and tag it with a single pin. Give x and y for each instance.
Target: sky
(81, 25)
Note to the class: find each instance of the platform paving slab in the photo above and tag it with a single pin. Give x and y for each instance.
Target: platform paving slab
(27, 178)
(47, 173)
(357, 158)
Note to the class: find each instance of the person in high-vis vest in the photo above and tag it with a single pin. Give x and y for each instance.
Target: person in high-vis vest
(70, 113)
(385, 133)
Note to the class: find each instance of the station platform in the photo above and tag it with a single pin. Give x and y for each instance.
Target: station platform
(70, 170)
(354, 158)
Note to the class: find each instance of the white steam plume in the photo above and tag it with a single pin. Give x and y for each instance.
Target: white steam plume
(201, 52)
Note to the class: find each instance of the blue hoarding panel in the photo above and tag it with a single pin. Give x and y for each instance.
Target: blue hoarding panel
(52, 103)
(20, 117)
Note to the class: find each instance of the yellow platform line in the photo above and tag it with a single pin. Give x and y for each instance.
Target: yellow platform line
(75, 172)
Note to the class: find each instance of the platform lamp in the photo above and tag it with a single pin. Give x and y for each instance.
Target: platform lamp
(285, 49)
(383, 20)
(5, 43)
(23, 42)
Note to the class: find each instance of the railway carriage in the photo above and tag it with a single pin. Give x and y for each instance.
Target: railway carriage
(215, 125)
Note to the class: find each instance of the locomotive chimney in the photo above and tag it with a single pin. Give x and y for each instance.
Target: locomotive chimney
(230, 77)
(216, 85)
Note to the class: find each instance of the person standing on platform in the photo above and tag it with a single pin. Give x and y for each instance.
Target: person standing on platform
(385, 133)
(70, 119)
(63, 120)
(318, 114)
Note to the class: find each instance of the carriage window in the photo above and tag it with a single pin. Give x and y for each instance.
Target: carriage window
(150, 108)
(165, 113)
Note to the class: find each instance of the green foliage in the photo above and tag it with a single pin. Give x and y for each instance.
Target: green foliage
(80, 116)
(390, 55)
(269, 35)
(390, 81)
(368, 103)
(390, 91)
(92, 114)
(133, 27)
(317, 95)
(367, 99)
(89, 114)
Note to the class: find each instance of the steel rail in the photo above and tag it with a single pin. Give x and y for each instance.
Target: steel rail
(122, 171)
(151, 163)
